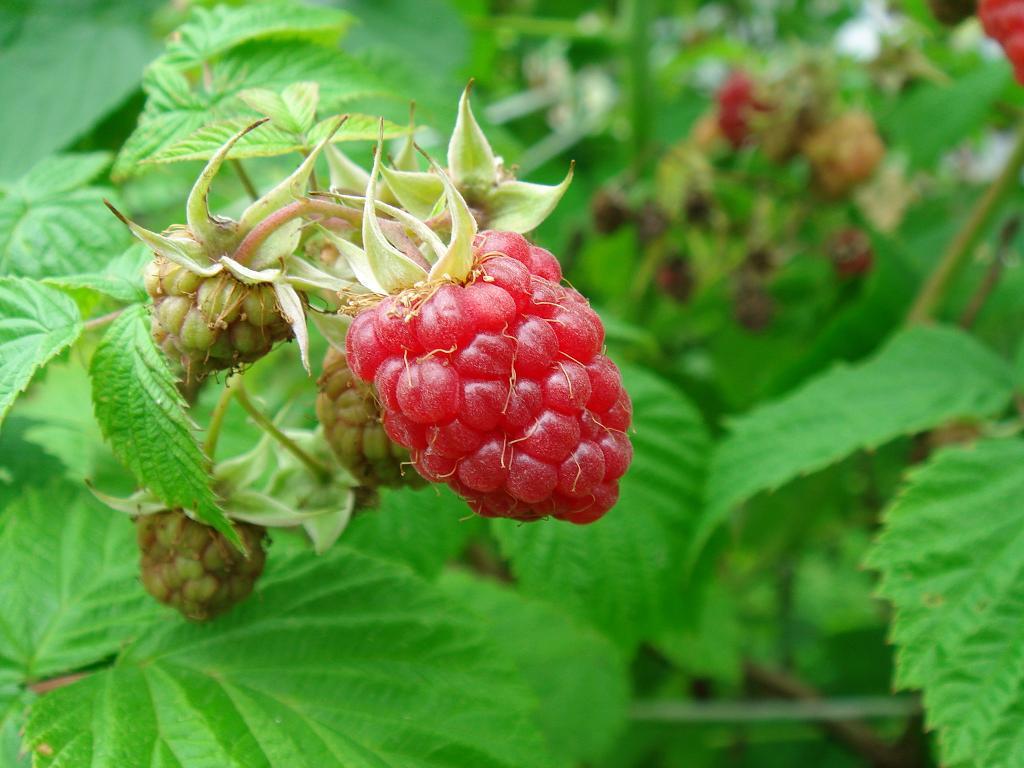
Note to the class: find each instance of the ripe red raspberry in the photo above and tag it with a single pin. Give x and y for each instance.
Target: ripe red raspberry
(1003, 21)
(736, 104)
(498, 386)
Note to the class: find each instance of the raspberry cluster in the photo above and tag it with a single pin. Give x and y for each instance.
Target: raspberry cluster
(498, 386)
(347, 407)
(193, 568)
(844, 153)
(211, 323)
(1003, 21)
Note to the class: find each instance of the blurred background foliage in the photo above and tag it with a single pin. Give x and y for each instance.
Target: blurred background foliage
(716, 268)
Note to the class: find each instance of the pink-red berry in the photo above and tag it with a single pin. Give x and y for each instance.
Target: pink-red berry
(737, 103)
(498, 387)
(1003, 21)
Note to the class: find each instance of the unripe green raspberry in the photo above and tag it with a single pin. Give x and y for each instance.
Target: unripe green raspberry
(193, 568)
(211, 323)
(348, 410)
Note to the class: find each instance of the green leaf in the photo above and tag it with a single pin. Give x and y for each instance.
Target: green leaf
(120, 279)
(268, 140)
(423, 529)
(336, 660)
(52, 224)
(952, 562)
(61, 72)
(13, 704)
(294, 109)
(24, 462)
(623, 572)
(211, 32)
(36, 323)
(578, 676)
(922, 378)
(174, 111)
(68, 582)
(143, 416)
(925, 139)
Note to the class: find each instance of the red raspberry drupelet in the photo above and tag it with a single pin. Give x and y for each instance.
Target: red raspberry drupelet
(498, 387)
(1003, 21)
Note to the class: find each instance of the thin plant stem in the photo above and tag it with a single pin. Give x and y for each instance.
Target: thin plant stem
(99, 322)
(243, 176)
(774, 710)
(993, 273)
(217, 419)
(638, 15)
(282, 216)
(315, 466)
(959, 250)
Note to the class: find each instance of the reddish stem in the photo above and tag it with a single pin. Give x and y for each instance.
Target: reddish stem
(258, 235)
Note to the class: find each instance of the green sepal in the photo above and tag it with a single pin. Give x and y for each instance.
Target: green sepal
(277, 248)
(290, 304)
(307, 276)
(212, 232)
(291, 188)
(518, 206)
(332, 327)
(346, 174)
(416, 191)
(183, 251)
(142, 502)
(248, 275)
(471, 160)
(378, 265)
(419, 228)
(406, 160)
(457, 261)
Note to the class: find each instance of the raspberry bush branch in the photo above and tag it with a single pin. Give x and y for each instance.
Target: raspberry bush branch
(220, 411)
(960, 249)
(318, 468)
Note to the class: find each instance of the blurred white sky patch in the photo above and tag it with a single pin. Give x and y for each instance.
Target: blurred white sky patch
(861, 37)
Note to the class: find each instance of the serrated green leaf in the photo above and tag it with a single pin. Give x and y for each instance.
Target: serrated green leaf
(336, 660)
(68, 582)
(120, 278)
(174, 111)
(142, 414)
(422, 528)
(922, 378)
(51, 224)
(623, 572)
(268, 140)
(211, 32)
(952, 562)
(578, 675)
(61, 72)
(302, 100)
(36, 323)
